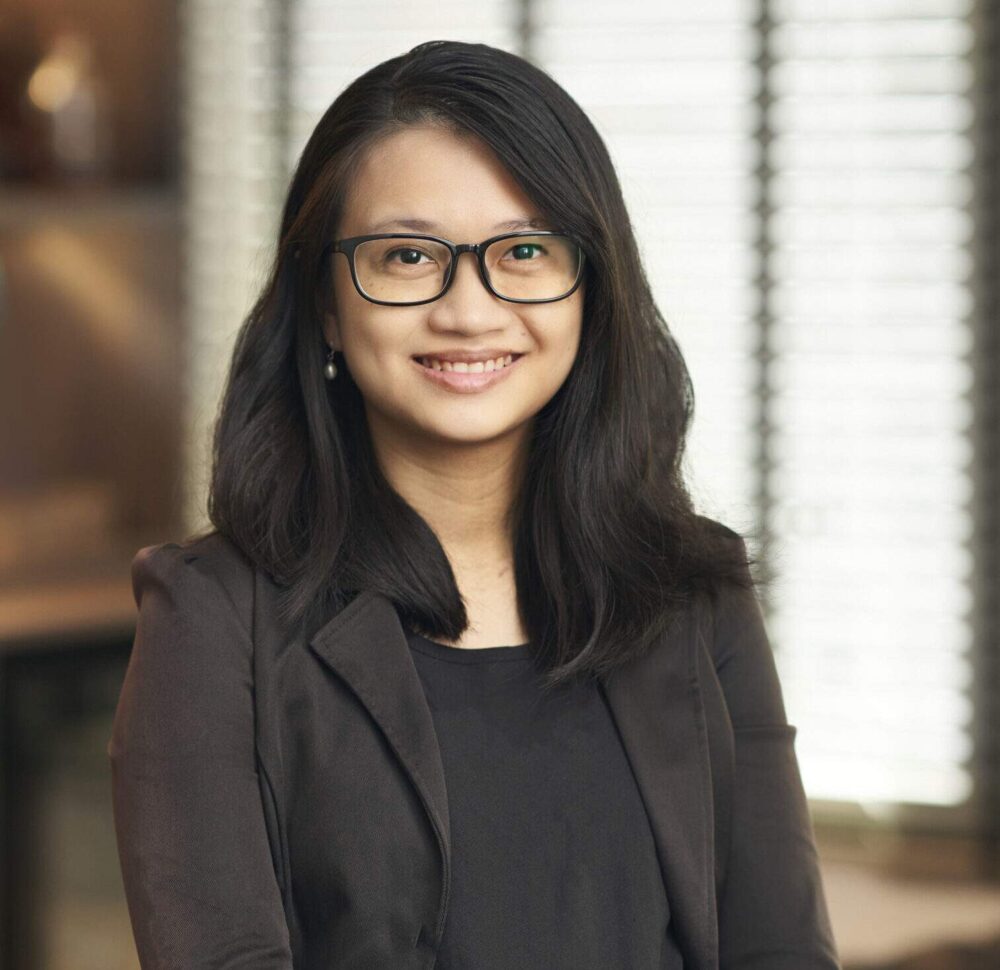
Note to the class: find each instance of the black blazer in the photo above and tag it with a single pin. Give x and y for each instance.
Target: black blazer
(279, 799)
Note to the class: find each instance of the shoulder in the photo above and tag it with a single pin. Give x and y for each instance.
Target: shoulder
(195, 572)
(733, 605)
(740, 646)
(719, 528)
(190, 676)
(729, 554)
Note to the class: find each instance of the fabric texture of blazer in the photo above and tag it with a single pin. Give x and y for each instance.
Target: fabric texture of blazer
(280, 802)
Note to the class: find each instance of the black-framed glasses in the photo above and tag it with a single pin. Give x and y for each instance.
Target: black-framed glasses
(407, 269)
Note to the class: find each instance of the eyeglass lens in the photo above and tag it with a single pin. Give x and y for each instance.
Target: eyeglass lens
(406, 270)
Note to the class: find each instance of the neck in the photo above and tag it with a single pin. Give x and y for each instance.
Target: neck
(463, 491)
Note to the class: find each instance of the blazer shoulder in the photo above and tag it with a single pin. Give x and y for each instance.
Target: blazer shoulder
(210, 559)
(714, 525)
(732, 603)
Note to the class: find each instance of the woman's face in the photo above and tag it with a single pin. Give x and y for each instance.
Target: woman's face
(458, 190)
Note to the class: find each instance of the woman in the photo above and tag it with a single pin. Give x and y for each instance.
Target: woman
(458, 679)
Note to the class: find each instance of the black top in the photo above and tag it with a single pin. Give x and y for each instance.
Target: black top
(553, 860)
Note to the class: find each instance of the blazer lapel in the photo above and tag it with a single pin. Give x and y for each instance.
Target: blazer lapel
(657, 704)
(366, 646)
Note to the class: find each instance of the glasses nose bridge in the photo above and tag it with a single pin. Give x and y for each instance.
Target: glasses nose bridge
(477, 250)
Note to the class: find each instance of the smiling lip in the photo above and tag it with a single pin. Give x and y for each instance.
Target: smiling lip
(466, 383)
(469, 356)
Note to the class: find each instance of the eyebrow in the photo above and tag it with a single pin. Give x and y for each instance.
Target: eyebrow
(424, 225)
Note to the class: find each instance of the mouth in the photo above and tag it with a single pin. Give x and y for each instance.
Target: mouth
(470, 365)
(465, 377)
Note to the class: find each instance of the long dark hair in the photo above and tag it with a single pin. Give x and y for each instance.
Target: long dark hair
(607, 546)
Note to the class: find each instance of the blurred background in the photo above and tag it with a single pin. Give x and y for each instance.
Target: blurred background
(815, 188)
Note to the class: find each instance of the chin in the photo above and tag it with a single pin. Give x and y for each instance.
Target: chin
(472, 432)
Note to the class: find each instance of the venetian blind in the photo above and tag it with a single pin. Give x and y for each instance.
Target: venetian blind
(869, 407)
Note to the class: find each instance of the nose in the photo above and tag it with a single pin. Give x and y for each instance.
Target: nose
(468, 302)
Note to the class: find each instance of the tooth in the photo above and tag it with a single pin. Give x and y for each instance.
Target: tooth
(468, 367)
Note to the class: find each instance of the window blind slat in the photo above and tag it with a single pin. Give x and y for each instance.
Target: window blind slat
(870, 413)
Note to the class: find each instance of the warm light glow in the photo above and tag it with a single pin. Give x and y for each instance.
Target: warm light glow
(52, 84)
(55, 79)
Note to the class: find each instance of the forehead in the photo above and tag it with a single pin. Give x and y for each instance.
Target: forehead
(428, 173)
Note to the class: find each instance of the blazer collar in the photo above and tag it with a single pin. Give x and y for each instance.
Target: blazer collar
(657, 706)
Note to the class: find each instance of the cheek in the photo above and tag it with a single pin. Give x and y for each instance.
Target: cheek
(369, 355)
(376, 342)
(372, 336)
(564, 341)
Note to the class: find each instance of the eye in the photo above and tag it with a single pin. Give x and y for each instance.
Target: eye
(526, 251)
(409, 257)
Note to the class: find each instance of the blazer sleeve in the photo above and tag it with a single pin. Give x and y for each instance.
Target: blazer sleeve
(772, 912)
(192, 842)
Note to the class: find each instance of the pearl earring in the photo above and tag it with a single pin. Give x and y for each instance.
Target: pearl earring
(330, 370)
